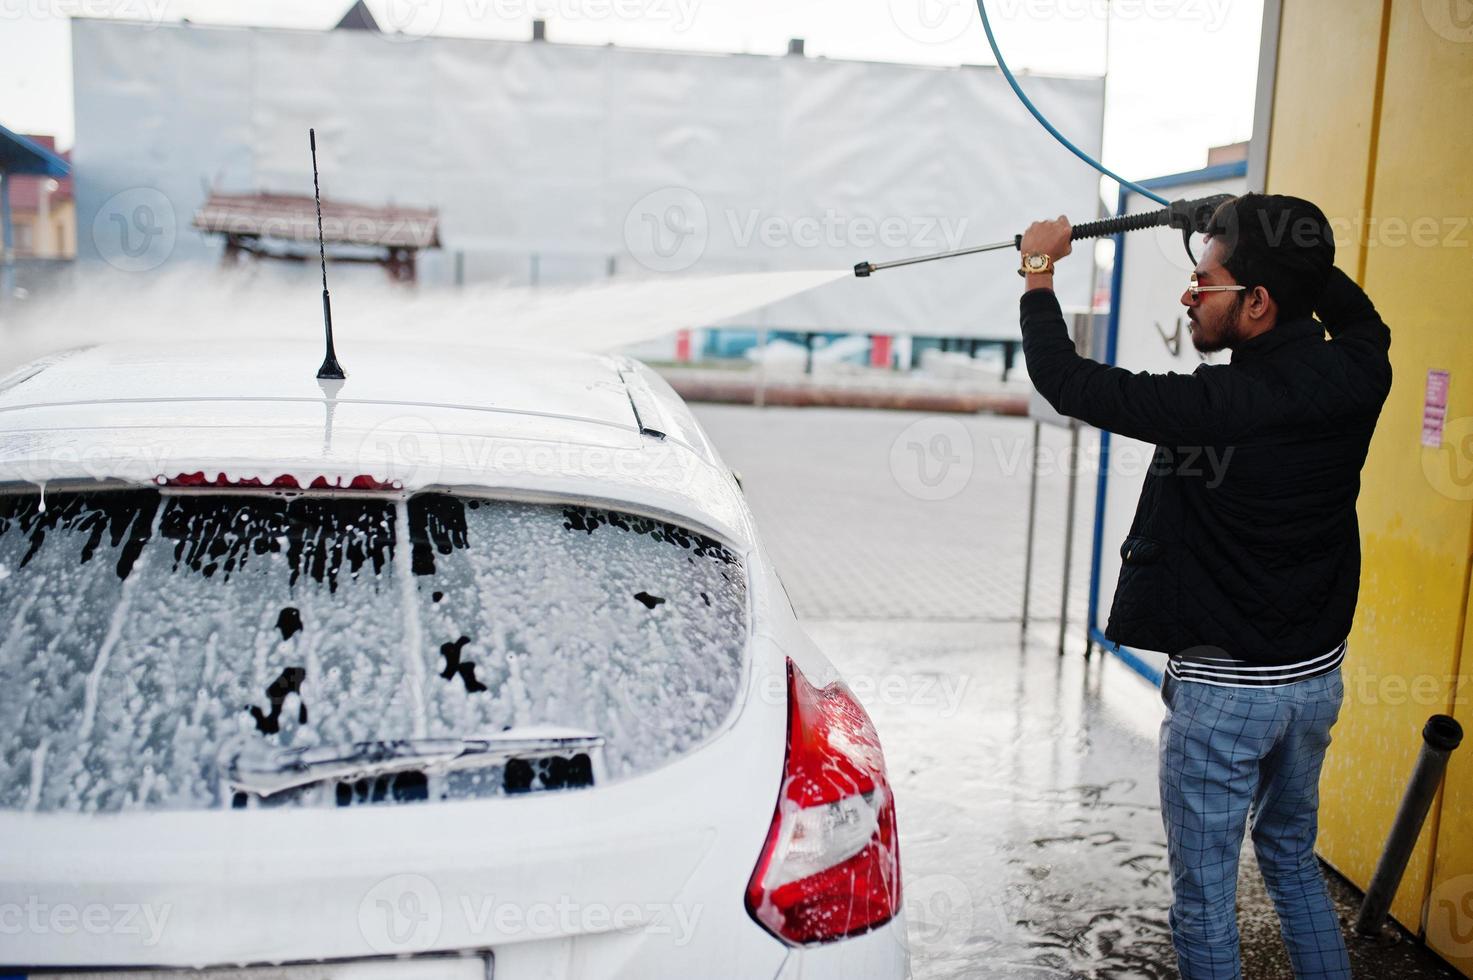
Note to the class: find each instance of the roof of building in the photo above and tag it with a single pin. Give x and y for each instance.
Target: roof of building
(358, 18)
(563, 425)
(23, 155)
(290, 217)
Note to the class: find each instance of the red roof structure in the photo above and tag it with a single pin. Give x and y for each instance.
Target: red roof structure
(278, 225)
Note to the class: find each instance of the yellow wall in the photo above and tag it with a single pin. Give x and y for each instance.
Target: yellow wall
(1324, 109)
(1450, 905)
(1373, 119)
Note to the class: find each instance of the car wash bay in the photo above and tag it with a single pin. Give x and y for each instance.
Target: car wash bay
(1026, 789)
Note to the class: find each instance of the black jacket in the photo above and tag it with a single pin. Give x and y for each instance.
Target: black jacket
(1245, 537)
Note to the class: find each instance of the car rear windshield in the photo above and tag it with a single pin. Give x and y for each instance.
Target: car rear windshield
(148, 634)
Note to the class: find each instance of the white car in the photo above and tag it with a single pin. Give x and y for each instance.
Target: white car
(469, 666)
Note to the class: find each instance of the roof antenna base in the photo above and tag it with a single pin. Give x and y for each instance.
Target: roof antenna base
(331, 370)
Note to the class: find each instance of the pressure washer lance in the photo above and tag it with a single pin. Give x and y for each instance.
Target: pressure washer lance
(1190, 216)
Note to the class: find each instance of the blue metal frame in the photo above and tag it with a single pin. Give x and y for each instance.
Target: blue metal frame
(19, 155)
(1131, 659)
(1223, 171)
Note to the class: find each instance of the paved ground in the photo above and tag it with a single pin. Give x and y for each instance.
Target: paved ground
(905, 516)
(1031, 843)
(1026, 782)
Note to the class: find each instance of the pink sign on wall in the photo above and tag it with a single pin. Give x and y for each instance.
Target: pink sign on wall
(1434, 408)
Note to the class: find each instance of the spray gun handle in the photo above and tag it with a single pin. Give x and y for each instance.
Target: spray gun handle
(1188, 215)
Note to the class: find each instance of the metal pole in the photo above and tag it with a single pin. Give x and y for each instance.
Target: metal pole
(759, 397)
(877, 266)
(1440, 736)
(1069, 529)
(1032, 510)
(7, 250)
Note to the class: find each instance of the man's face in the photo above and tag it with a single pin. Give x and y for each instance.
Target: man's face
(1216, 316)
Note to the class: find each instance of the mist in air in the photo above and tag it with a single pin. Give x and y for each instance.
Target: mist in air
(265, 304)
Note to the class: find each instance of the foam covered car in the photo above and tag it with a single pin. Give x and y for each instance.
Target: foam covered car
(470, 665)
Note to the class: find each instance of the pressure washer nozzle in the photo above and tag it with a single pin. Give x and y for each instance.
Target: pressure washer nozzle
(863, 269)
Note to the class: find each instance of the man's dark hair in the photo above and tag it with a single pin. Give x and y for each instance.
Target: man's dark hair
(1281, 243)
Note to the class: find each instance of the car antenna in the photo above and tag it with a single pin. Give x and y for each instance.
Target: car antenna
(331, 370)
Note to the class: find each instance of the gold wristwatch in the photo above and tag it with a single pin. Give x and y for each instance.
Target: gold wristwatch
(1036, 263)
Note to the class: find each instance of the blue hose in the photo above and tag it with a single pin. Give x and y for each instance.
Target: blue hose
(1028, 104)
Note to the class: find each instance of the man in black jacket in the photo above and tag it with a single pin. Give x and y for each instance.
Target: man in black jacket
(1245, 571)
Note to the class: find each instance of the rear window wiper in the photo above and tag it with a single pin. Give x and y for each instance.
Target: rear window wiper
(267, 773)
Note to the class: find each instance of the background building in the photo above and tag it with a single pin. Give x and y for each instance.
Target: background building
(36, 217)
(42, 213)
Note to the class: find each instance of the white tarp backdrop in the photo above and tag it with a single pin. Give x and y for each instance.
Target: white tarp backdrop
(559, 163)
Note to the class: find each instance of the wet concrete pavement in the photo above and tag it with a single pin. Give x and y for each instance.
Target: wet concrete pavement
(863, 527)
(1031, 840)
(1032, 844)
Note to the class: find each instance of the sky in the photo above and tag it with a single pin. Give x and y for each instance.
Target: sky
(1181, 73)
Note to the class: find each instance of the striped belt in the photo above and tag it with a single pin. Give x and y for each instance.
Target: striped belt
(1227, 672)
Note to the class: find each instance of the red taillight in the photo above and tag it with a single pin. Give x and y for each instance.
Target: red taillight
(287, 482)
(831, 864)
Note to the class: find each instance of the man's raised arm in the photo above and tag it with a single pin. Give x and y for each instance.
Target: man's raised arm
(1155, 408)
(1351, 320)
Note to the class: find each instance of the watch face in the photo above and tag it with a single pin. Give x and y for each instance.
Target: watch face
(1037, 262)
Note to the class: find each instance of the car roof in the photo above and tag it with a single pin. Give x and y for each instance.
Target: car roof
(410, 416)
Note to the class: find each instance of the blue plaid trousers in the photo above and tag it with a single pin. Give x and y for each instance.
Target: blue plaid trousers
(1228, 754)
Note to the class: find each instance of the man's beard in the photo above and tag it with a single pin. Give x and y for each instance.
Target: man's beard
(1221, 333)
